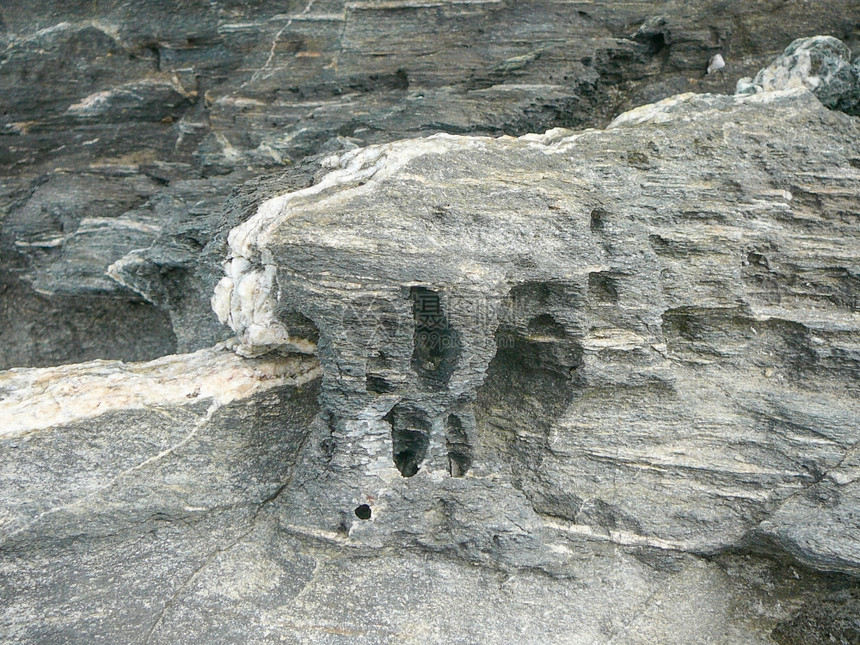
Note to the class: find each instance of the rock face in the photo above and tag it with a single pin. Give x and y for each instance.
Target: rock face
(673, 300)
(124, 127)
(585, 386)
(120, 482)
(577, 387)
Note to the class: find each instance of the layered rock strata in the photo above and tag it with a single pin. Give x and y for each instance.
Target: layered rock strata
(124, 127)
(672, 300)
(594, 386)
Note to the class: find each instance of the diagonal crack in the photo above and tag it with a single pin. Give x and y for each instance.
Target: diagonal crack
(194, 575)
(637, 612)
(821, 477)
(275, 40)
(161, 455)
(175, 597)
(852, 448)
(340, 39)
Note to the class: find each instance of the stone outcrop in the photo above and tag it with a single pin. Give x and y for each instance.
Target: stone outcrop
(673, 299)
(582, 386)
(121, 482)
(124, 126)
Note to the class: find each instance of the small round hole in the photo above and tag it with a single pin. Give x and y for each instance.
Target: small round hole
(363, 512)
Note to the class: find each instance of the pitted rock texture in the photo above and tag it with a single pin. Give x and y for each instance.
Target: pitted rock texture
(577, 387)
(184, 500)
(125, 126)
(651, 330)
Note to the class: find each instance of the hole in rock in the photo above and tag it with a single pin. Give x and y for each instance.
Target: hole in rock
(598, 219)
(298, 325)
(378, 368)
(410, 449)
(378, 385)
(363, 512)
(546, 325)
(656, 43)
(602, 287)
(527, 390)
(459, 447)
(436, 344)
(757, 259)
(409, 440)
(401, 80)
(684, 323)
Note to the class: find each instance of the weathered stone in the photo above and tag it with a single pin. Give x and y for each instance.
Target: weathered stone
(119, 482)
(183, 102)
(821, 64)
(595, 386)
(167, 502)
(658, 300)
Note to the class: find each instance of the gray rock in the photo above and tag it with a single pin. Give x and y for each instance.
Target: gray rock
(593, 386)
(544, 386)
(630, 324)
(178, 104)
(819, 525)
(180, 500)
(122, 483)
(821, 64)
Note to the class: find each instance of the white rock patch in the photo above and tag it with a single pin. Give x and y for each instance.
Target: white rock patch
(38, 398)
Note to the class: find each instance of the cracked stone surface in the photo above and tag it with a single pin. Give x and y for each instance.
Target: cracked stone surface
(121, 483)
(125, 126)
(197, 519)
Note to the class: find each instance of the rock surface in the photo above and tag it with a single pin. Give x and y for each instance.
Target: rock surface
(125, 126)
(652, 330)
(578, 387)
(122, 482)
(595, 386)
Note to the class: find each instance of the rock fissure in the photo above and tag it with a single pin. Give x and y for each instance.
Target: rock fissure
(113, 481)
(172, 601)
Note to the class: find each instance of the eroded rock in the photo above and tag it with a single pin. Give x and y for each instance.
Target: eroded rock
(183, 102)
(570, 384)
(667, 300)
(180, 499)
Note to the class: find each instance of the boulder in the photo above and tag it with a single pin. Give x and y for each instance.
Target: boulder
(821, 64)
(672, 300)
